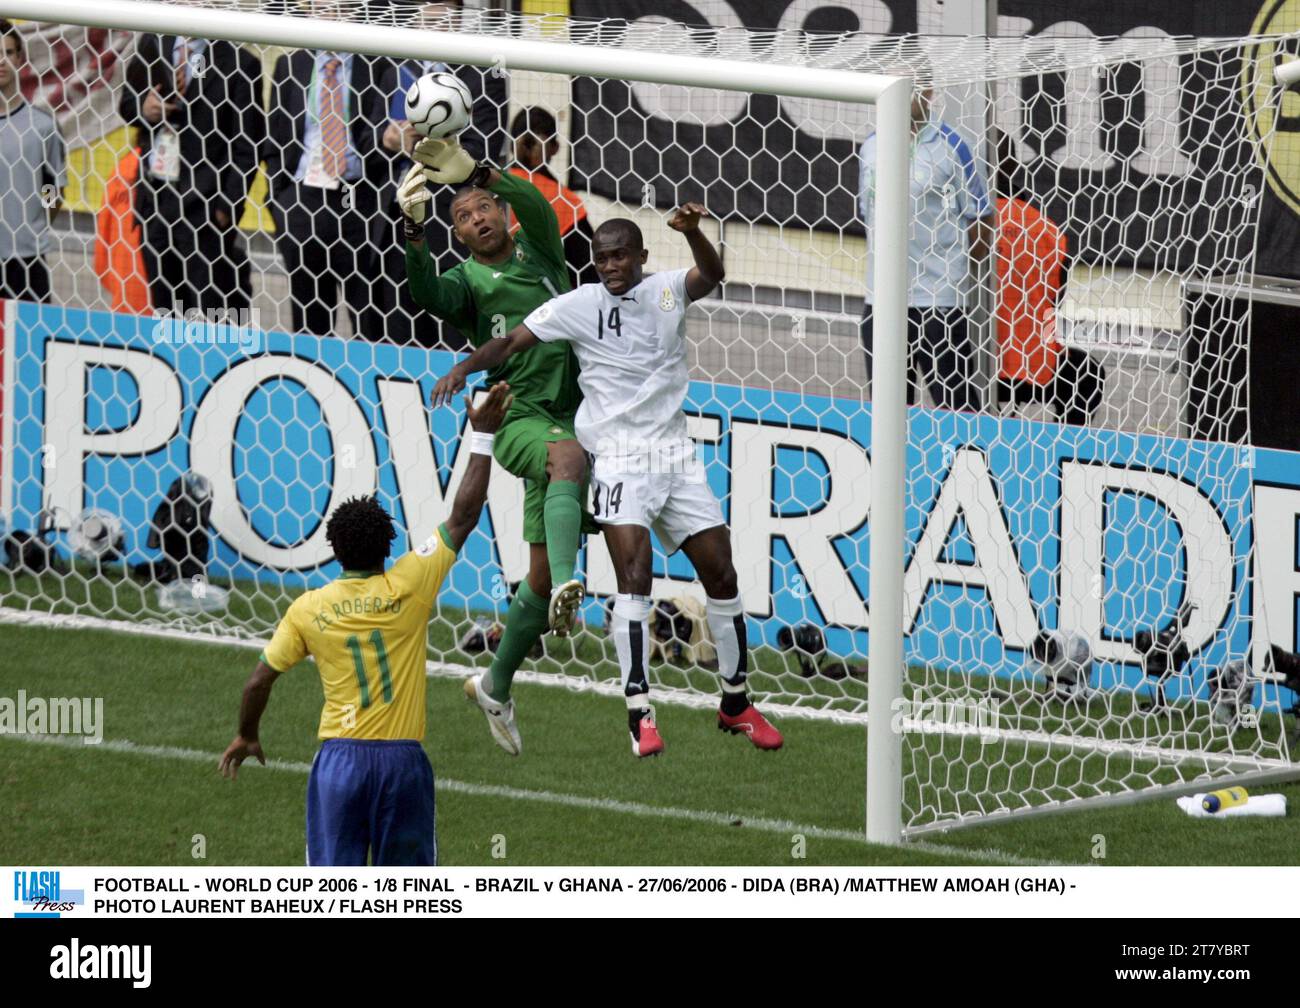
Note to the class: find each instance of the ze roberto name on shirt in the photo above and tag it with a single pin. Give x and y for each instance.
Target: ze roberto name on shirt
(352, 607)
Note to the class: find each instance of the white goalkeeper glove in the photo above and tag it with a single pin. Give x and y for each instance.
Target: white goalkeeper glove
(447, 162)
(413, 195)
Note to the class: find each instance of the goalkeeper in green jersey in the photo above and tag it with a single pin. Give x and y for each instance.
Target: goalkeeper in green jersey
(487, 295)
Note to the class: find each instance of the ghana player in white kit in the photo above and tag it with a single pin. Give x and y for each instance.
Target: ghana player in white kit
(629, 334)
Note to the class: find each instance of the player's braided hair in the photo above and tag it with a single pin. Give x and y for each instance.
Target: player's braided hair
(360, 532)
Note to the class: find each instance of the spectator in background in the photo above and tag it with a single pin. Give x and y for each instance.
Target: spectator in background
(32, 177)
(1031, 256)
(197, 107)
(405, 322)
(951, 234)
(118, 262)
(534, 133)
(324, 178)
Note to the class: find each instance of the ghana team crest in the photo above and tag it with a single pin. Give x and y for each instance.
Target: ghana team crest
(1267, 113)
(666, 300)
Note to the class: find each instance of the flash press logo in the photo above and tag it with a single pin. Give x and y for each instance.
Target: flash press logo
(181, 326)
(41, 893)
(75, 961)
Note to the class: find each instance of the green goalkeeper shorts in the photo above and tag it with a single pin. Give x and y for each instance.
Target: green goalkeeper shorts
(520, 447)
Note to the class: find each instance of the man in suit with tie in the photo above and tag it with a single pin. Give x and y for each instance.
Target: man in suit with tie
(196, 105)
(484, 139)
(324, 178)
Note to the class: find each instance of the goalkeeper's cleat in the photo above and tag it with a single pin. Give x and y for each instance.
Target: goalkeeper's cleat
(646, 740)
(749, 721)
(500, 716)
(565, 601)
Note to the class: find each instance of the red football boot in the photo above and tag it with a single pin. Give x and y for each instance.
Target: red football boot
(650, 743)
(752, 723)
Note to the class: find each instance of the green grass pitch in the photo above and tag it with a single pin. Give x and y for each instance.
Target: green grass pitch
(576, 797)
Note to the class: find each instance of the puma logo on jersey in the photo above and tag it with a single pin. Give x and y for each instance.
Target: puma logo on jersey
(666, 300)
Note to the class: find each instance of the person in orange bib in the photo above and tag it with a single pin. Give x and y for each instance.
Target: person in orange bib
(118, 262)
(533, 132)
(1034, 366)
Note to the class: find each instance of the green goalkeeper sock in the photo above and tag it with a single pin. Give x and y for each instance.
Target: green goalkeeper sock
(525, 622)
(562, 514)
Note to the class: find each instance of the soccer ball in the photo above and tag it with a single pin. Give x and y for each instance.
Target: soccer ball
(438, 105)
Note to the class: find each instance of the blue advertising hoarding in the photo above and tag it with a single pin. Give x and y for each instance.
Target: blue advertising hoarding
(1012, 525)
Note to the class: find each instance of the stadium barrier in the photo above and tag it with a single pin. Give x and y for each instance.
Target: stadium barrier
(105, 410)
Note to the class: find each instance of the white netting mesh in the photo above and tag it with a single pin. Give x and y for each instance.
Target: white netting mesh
(1094, 479)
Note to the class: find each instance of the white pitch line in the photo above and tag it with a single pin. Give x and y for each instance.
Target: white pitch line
(761, 824)
(991, 853)
(663, 694)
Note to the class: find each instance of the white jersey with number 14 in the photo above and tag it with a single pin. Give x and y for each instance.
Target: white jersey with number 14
(631, 349)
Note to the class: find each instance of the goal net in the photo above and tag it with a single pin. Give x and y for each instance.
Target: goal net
(229, 349)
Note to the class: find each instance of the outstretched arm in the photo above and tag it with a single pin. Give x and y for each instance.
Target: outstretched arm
(447, 162)
(484, 422)
(257, 691)
(444, 296)
(707, 272)
(491, 354)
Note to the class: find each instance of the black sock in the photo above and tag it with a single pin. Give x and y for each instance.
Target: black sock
(734, 703)
(634, 721)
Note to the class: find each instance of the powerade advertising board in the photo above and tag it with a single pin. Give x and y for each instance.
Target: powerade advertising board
(1012, 526)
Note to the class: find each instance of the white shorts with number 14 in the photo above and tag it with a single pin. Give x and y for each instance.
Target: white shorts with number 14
(675, 504)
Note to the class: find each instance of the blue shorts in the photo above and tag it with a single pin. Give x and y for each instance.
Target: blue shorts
(370, 794)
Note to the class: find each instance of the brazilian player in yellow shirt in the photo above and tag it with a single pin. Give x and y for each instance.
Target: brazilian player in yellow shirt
(371, 785)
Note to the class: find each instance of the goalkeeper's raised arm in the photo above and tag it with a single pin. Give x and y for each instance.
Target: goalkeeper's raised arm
(479, 224)
(447, 163)
(507, 274)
